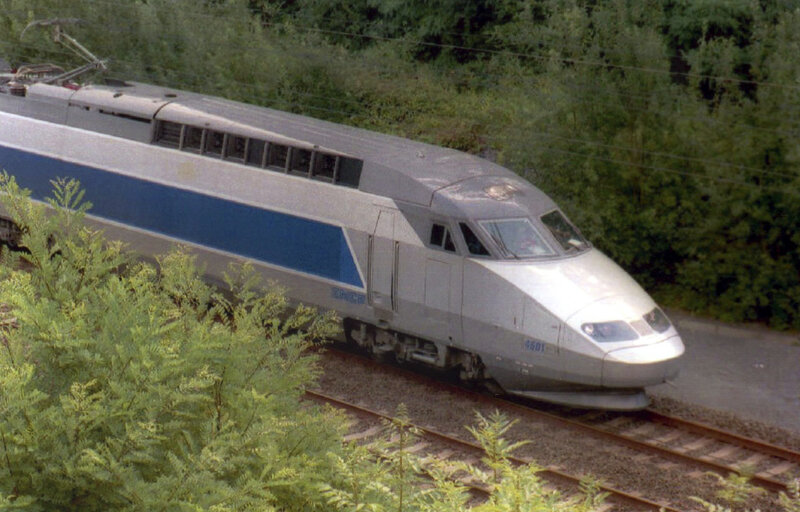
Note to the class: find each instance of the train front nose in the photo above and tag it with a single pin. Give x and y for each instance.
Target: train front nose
(643, 365)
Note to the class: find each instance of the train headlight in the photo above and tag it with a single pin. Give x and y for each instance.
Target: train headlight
(609, 331)
(657, 320)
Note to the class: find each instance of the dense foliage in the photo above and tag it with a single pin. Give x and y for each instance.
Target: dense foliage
(666, 129)
(125, 386)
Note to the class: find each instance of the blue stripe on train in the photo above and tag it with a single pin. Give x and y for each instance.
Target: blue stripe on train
(285, 240)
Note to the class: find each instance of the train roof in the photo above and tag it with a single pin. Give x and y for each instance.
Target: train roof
(394, 167)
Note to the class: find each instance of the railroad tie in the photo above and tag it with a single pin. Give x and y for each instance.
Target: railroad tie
(695, 445)
(725, 453)
(363, 434)
(783, 467)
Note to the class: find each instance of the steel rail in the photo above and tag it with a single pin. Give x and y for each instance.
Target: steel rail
(721, 435)
(767, 483)
(553, 475)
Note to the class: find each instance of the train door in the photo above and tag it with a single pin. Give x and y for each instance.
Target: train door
(382, 265)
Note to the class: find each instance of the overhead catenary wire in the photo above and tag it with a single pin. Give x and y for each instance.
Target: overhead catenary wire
(524, 55)
(604, 64)
(594, 100)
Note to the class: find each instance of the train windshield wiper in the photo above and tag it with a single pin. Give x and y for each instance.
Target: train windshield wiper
(501, 244)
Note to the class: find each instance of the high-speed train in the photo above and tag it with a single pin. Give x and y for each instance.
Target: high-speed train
(427, 254)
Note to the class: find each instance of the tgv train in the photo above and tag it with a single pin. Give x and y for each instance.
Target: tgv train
(428, 254)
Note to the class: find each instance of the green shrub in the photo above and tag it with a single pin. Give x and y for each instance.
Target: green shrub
(128, 386)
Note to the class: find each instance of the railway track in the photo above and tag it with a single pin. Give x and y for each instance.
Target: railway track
(670, 442)
(771, 467)
(442, 446)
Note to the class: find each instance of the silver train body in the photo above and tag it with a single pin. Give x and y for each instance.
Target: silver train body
(426, 253)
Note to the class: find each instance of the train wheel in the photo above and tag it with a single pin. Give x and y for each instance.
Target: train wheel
(472, 369)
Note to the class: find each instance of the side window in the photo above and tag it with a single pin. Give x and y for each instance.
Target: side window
(192, 139)
(349, 173)
(234, 148)
(255, 152)
(169, 134)
(214, 143)
(324, 167)
(440, 237)
(277, 157)
(474, 244)
(301, 160)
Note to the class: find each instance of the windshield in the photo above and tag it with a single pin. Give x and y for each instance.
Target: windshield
(517, 238)
(565, 233)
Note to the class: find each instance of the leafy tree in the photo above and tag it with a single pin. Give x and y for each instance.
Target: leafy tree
(128, 386)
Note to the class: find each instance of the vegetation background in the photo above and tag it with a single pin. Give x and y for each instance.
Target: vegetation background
(667, 129)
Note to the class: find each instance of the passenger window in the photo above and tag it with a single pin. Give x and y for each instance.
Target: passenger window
(192, 138)
(277, 156)
(214, 143)
(234, 149)
(255, 152)
(169, 134)
(324, 167)
(440, 237)
(301, 161)
(474, 245)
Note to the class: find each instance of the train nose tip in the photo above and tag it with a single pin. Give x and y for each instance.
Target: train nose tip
(645, 365)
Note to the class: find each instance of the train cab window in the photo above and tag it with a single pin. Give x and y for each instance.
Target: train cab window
(441, 238)
(300, 162)
(234, 148)
(214, 142)
(192, 139)
(255, 152)
(324, 167)
(169, 134)
(517, 238)
(474, 245)
(564, 232)
(276, 159)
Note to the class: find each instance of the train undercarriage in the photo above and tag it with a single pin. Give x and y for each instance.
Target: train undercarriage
(384, 344)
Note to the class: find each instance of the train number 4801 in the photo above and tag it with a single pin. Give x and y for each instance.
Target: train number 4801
(535, 346)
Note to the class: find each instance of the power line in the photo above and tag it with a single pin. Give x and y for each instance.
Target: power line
(522, 55)
(591, 101)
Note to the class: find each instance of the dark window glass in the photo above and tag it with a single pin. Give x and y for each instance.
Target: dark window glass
(192, 138)
(301, 161)
(349, 172)
(437, 235)
(324, 166)
(235, 147)
(565, 233)
(169, 134)
(474, 244)
(277, 156)
(214, 142)
(448, 242)
(255, 152)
